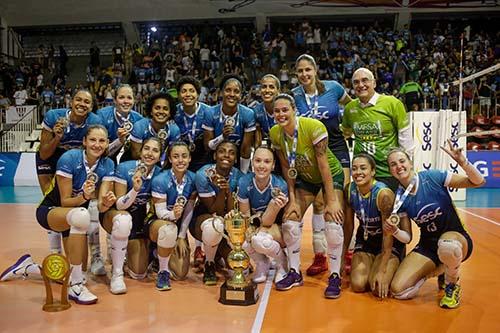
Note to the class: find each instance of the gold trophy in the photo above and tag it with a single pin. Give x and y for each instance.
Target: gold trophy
(237, 290)
(56, 267)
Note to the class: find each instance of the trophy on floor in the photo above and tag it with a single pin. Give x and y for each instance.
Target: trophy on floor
(56, 267)
(237, 290)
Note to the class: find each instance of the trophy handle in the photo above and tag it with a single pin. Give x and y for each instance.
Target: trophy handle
(222, 234)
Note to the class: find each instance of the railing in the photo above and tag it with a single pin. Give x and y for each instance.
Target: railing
(12, 138)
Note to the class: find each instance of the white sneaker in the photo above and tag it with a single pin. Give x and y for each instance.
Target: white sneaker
(81, 295)
(117, 285)
(261, 270)
(97, 265)
(19, 269)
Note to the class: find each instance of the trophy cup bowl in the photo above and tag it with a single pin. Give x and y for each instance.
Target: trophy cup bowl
(56, 267)
(238, 290)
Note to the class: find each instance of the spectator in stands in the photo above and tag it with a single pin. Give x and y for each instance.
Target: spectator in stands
(484, 93)
(412, 93)
(95, 56)
(117, 53)
(63, 60)
(20, 96)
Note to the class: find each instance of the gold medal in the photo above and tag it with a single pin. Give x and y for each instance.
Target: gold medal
(55, 266)
(292, 173)
(211, 174)
(92, 177)
(127, 126)
(275, 192)
(394, 220)
(192, 147)
(162, 134)
(181, 200)
(141, 168)
(365, 234)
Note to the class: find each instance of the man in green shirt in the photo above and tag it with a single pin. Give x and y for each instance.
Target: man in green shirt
(378, 122)
(412, 93)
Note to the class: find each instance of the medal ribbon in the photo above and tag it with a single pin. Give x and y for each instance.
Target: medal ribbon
(292, 155)
(179, 187)
(86, 164)
(312, 103)
(190, 133)
(400, 198)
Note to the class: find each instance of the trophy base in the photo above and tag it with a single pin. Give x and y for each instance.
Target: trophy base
(56, 307)
(239, 296)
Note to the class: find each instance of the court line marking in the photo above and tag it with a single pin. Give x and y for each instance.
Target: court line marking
(479, 216)
(261, 311)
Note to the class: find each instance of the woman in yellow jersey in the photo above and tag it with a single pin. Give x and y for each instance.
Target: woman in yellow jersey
(308, 166)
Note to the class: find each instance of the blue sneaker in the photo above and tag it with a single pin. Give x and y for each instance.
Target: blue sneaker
(292, 279)
(18, 270)
(334, 286)
(163, 281)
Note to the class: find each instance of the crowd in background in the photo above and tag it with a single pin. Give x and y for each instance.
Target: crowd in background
(405, 63)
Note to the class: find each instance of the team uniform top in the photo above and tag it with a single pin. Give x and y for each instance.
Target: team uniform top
(112, 121)
(376, 127)
(207, 189)
(244, 120)
(125, 172)
(73, 134)
(73, 164)
(248, 192)
(432, 207)
(328, 111)
(165, 186)
(144, 130)
(186, 123)
(265, 121)
(310, 132)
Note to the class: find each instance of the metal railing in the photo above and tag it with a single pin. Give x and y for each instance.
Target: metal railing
(12, 138)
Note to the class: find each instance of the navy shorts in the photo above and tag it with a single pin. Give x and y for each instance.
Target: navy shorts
(42, 213)
(46, 167)
(428, 247)
(343, 157)
(373, 245)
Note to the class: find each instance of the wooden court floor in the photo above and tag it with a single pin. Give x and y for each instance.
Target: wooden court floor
(192, 307)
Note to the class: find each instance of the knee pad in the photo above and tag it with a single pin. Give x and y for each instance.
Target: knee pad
(292, 231)
(410, 292)
(247, 246)
(265, 244)
(167, 236)
(122, 224)
(210, 236)
(78, 220)
(334, 234)
(137, 276)
(450, 252)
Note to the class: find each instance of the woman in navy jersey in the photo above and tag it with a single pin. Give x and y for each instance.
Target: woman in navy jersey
(443, 237)
(124, 221)
(376, 255)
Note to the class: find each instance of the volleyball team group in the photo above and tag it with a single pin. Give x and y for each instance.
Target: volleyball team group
(186, 166)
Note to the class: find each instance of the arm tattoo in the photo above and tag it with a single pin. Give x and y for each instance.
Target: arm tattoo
(320, 147)
(386, 204)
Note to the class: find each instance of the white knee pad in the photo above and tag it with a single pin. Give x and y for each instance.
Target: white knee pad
(247, 246)
(292, 232)
(122, 224)
(167, 236)
(265, 244)
(210, 236)
(450, 252)
(79, 220)
(334, 234)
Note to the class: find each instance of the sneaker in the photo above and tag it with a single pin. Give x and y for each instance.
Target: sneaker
(209, 276)
(163, 281)
(334, 286)
(319, 265)
(451, 298)
(441, 282)
(117, 285)
(261, 270)
(97, 265)
(292, 279)
(280, 274)
(18, 270)
(199, 257)
(81, 295)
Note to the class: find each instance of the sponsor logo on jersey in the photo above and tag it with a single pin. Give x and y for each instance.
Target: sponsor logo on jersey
(368, 130)
(428, 213)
